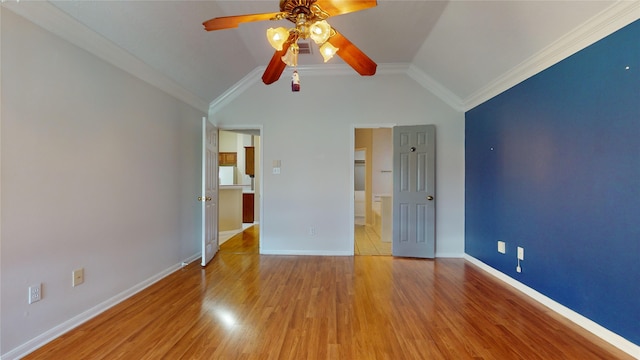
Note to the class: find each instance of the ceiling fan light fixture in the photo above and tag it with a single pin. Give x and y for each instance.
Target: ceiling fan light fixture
(291, 57)
(320, 31)
(308, 17)
(327, 50)
(277, 37)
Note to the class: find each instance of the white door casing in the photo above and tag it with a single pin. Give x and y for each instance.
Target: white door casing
(414, 191)
(209, 198)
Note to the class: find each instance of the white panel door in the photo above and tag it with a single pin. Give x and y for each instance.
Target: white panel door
(209, 196)
(414, 191)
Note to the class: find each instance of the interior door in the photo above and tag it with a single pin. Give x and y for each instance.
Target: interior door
(414, 191)
(209, 196)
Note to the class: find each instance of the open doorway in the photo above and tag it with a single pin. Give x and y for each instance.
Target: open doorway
(239, 179)
(373, 187)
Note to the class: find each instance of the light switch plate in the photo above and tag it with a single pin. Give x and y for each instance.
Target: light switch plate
(78, 277)
(502, 248)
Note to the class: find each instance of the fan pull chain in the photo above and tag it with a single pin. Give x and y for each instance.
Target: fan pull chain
(295, 80)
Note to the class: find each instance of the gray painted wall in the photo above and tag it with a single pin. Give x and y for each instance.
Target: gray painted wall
(312, 134)
(99, 170)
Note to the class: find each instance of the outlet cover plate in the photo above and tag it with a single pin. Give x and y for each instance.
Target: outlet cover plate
(35, 293)
(78, 277)
(520, 253)
(502, 248)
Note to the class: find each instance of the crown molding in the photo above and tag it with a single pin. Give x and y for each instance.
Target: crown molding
(56, 21)
(344, 69)
(435, 87)
(341, 70)
(255, 75)
(323, 70)
(234, 91)
(615, 17)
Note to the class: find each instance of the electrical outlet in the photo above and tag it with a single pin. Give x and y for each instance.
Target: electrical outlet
(35, 293)
(502, 248)
(520, 253)
(312, 231)
(78, 277)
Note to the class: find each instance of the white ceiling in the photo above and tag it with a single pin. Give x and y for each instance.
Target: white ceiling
(464, 46)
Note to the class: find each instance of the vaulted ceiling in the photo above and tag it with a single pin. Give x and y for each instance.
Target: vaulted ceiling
(463, 47)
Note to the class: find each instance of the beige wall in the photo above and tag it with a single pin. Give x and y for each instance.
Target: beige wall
(364, 141)
(382, 161)
(378, 146)
(228, 141)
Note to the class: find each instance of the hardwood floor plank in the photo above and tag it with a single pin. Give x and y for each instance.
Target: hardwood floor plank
(245, 242)
(249, 306)
(368, 242)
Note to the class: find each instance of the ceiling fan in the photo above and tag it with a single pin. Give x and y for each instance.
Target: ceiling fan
(309, 17)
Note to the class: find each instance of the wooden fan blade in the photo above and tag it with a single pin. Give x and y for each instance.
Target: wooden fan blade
(276, 65)
(228, 22)
(353, 56)
(338, 7)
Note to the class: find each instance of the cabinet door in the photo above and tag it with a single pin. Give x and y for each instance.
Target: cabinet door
(249, 165)
(227, 158)
(247, 208)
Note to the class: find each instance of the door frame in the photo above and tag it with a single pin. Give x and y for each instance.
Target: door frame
(209, 172)
(352, 192)
(260, 173)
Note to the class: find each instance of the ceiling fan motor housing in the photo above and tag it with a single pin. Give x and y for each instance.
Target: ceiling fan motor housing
(295, 7)
(308, 16)
(303, 13)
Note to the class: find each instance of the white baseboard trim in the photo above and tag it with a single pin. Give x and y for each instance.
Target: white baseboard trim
(582, 321)
(223, 236)
(306, 252)
(341, 253)
(192, 258)
(79, 319)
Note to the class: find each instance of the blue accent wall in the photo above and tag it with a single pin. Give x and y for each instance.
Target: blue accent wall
(553, 165)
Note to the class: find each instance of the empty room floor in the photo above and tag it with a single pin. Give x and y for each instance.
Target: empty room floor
(244, 305)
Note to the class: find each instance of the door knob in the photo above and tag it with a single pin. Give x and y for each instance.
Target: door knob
(199, 198)
(208, 198)
(430, 198)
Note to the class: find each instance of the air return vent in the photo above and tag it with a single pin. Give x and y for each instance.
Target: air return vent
(305, 47)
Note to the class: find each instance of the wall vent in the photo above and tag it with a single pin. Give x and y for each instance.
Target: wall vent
(305, 47)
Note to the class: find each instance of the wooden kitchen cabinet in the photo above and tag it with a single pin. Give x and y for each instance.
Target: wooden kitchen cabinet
(227, 159)
(247, 207)
(250, 161)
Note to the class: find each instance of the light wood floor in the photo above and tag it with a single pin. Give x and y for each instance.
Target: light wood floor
(245, 242)
(367, 242)
(249, 306)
